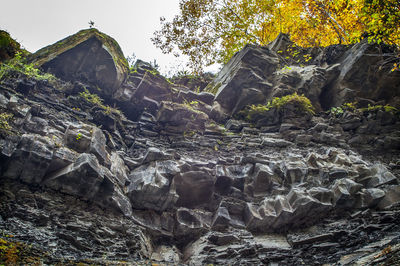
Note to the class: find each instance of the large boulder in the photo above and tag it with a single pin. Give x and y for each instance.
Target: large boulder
(88, 55)
(244, 79)
(150, 186)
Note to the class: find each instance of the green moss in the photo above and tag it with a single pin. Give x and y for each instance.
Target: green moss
(4, 119)
(213, 88)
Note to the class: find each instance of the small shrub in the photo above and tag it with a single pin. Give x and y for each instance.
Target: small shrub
(91, 97)
(96, 100)
(301, 102)
(17, 64)
(336, 111)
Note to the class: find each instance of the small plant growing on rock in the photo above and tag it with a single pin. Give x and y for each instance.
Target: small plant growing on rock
(301, 102)
(386, 108)
(96, 100)
(17, 64)
(4, 118)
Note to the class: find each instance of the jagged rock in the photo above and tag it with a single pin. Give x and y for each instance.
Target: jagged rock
(88, 139)
(272, 142)
(179, 118)
(376, 175)
(392, 198)
(88, 55)
(191, 223)
(31, 159)
(153, 86)
(369, 198)
(166, 254)
(308, 80)
(119, 169)
(231, 176)
(243, 80)
(194, 188)
(82, 178)
(62, 156)
(344, 191)
(221, 218)
(294, 171)
(262, 181)
(190, 96)
(360, 76)
(150, 186)
(154, 154)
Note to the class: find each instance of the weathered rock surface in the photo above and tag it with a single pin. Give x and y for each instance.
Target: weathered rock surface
(88, 55)
(160, 181)
(328, 77)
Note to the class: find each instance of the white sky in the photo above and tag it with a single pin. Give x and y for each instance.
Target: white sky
(38, 23)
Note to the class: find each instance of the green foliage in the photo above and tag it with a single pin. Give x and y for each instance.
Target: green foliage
(213, 88)
(96, 100)
(9, 252)
(91, 97)
(352, 107)
(189, 133)
(8, 46)
(382, 20)
(336, 111)
(385, 108)
(17, 64)
(191, 105)
(78, 136)
(209, 31)
(302, 104)
(4, 118)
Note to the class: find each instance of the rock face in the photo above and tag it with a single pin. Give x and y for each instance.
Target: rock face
(328, 77)
(160, 181)
(88, 55)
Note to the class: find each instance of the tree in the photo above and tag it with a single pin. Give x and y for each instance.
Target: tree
(209, 31)
(382, 20)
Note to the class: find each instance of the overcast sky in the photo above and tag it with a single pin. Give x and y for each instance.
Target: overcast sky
(38, 23)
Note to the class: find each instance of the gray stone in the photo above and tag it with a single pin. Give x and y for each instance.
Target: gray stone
(369, 198)
(89, 55)
(150, 186)
(244, 75)
(274, 142)
(344, 191)
(31, 159)
(82, 178)
(194, 188)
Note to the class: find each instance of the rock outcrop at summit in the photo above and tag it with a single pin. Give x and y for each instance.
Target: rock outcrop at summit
(158, 178)
(90, 56)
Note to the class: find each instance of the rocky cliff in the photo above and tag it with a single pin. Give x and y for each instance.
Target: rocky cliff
(289, 156)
